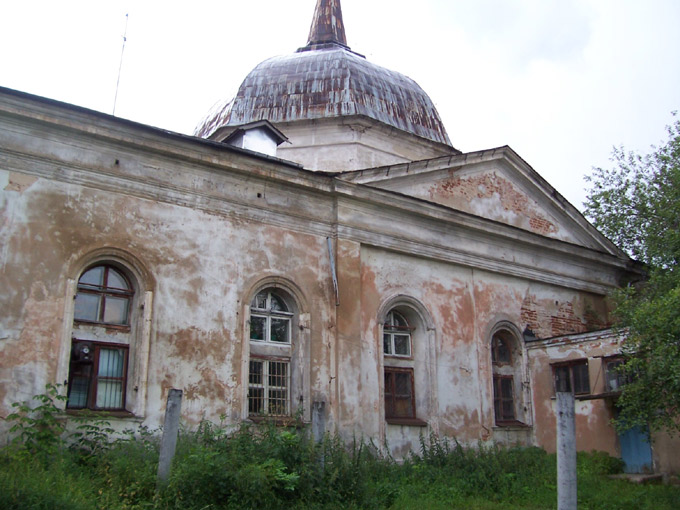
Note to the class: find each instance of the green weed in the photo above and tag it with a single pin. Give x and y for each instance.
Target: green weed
(266, 467)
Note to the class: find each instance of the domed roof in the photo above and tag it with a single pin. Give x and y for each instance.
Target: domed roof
(326, 79)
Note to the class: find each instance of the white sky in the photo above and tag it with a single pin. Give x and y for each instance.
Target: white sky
(560, 81)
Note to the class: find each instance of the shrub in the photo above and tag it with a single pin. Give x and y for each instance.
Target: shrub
(38, 425)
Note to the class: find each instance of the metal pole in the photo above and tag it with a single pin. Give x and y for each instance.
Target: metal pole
(566, 452)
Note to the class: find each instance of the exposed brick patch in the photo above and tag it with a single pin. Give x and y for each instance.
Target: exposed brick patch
(529, 314)
(566, 322)
(488, 185)
(546, 324)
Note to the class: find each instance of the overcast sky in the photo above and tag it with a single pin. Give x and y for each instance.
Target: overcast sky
(560, 81)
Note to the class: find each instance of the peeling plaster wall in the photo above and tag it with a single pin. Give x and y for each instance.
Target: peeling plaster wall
(455, 394)
(593, 414)
(203, 265)
(485, 190)
(593, 417)
(200, 225)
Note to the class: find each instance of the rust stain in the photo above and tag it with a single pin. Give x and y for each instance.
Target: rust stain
(20, 182)
(195, 345)
(456, 310)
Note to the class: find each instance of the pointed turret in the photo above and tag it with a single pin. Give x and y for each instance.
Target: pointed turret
(327, 27)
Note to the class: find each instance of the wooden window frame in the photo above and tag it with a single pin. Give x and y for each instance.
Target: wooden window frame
(103, 292)
(569, 385)
(94, 378)
(499, 400)
(265, 387)
(495, 358)
(621, 378)
(391, 416)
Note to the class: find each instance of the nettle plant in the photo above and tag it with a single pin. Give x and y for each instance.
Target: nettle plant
(40, 426)
(39, 422)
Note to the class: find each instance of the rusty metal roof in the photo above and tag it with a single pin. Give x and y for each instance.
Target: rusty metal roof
(326, 79)
(327, 26)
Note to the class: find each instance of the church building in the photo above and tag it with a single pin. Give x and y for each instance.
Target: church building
(318, 253)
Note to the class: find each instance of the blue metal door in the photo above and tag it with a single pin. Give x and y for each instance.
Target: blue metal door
(636, 451)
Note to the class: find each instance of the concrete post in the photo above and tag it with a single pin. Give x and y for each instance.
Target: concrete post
(170, 432)
(566, 452)
(318, 420)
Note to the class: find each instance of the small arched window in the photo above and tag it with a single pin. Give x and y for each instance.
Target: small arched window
(104, 296)
(396, 335)
(270, 319)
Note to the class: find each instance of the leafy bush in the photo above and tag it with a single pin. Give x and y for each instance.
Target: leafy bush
(269, 468)
(598, 463)
(38, 425)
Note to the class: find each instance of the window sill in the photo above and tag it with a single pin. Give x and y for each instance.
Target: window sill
(91, 413)
(511, 424)
(580, 396)
(594, 396)
(125, 328)
(412, 422)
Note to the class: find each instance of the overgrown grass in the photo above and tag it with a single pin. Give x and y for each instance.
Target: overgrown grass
(270, 468)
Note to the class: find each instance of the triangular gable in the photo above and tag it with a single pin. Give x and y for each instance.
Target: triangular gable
(495, 184)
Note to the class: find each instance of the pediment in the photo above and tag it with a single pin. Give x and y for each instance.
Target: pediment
(495, 184)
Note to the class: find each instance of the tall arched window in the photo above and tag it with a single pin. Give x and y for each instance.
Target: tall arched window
(273, 366)
(403, 373)
(506, 358)
(98, 368)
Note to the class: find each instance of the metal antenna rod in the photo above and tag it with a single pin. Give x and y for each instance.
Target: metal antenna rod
(120, 66)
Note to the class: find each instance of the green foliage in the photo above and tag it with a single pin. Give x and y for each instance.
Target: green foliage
(598, 463)
(38, 423)
(92, 435)
(271, 468)
(451, 472)
(637, 205)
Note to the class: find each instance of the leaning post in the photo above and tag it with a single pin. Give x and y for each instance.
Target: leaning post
(566, 452)
(169, 438)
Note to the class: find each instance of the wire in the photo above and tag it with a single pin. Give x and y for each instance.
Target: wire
(120, 66)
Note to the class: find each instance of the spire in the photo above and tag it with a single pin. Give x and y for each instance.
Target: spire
(327, 27)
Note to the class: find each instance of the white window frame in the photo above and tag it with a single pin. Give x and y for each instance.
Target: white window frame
(266, 387)
(268, 315)
(390, 331)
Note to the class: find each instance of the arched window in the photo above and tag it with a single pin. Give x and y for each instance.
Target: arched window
(501, 351)
(273, 366)
(506, 358)
(104, 296)
(403, 374)
(270, 320)
(396, 335)
(98, 368)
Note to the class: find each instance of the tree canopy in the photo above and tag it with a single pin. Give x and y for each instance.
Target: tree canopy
(637, 205)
